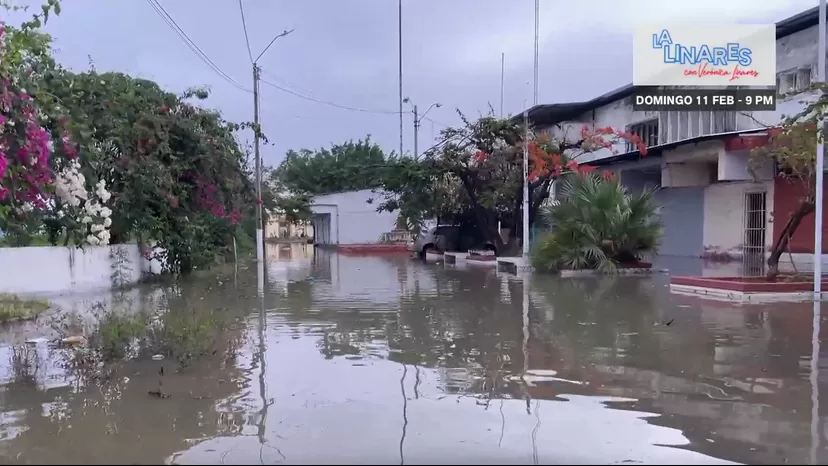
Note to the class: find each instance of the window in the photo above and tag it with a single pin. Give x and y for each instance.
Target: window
(647, 131)
(793, 81)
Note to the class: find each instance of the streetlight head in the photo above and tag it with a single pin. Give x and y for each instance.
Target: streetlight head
(406, 100)
(438, 105)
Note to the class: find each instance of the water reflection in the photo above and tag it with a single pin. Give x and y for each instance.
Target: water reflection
(387, 360)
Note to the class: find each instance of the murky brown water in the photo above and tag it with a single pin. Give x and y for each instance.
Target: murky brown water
(382, 360)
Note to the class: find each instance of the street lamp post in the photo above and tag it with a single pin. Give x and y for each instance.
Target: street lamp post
(820, 161)
(418, 119)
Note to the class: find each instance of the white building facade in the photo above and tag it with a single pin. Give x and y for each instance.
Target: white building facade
(351, 218)
(713, 204)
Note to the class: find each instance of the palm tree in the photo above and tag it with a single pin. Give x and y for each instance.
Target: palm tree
(598, 224)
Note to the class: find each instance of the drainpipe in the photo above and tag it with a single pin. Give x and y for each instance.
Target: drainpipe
(336, 208)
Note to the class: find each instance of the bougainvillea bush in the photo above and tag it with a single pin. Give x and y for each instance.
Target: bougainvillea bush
(37, 147)
(103, 158)
(177, 174)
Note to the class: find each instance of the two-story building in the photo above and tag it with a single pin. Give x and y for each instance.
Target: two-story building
(713, 203)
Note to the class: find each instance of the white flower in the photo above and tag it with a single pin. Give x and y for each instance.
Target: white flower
(93, 240)
(92, 208)
(27, 207)
(104, 236)
(96, 228)
(86, 219)
(105, 212)
(107, 222)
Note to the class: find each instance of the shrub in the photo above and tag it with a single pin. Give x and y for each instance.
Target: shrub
(117, 334)
(598, 224)
(13, 308)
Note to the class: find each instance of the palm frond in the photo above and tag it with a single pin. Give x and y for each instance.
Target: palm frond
(598, 224)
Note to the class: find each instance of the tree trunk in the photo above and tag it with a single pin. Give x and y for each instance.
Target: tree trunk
(486, 220)
(780, 245)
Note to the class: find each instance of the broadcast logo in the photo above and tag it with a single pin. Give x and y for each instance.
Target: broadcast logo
(705, 55)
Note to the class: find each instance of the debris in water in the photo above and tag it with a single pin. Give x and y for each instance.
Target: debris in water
(157, 357)
(36, 341)
(158, 394)
(74, 340)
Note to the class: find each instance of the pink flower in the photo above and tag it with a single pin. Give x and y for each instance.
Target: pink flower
(4, 164)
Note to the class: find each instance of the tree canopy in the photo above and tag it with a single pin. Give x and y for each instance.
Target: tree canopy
(476, 174)
(349, 166)
(99, 158)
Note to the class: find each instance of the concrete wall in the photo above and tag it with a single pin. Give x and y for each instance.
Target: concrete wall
(787, 195)
(55, 269)
(724, 216)
(350, 218)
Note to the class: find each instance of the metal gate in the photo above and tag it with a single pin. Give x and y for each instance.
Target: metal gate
(755, 222)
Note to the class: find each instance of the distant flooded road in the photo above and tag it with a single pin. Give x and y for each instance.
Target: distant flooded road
(386, 360)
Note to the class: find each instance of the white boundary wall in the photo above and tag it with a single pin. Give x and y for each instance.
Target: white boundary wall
(58, 269)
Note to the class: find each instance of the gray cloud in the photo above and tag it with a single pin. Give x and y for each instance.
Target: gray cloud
(346, 52)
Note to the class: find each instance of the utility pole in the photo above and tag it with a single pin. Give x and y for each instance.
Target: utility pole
(399, 31)
(418, 120)
(257, 130)
(525, 236)
(416, 132)
(537, 48)
(257, 135)
(502, 76)
(820, 161)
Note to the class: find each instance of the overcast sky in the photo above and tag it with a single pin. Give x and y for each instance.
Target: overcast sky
(346, 52)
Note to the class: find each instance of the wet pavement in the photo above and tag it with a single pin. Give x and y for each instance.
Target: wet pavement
(385, 360)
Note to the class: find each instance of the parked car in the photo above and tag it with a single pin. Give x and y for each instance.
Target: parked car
(449, 238)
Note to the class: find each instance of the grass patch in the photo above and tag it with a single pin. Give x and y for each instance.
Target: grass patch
(13, 308)
(187, 334)
(117, 334)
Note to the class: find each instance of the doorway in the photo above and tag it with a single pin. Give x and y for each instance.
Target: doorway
(755, 233)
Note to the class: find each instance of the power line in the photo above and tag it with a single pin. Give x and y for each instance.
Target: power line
(334, 104)
(167, 18)
(192, 45)
(325, 102)
(246, 37)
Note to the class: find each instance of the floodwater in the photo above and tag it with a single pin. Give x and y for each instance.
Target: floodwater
(383, 360)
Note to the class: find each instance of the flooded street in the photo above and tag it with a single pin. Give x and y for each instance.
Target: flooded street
(385, 360)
